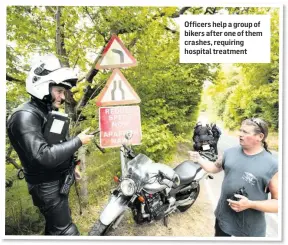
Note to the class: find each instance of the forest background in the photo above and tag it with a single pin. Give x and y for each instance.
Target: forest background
(171, 93)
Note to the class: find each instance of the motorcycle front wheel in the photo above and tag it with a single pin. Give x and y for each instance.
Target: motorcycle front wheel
(194, 194)
(99, 229)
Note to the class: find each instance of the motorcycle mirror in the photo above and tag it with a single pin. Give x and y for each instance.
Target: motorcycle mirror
(129, 135)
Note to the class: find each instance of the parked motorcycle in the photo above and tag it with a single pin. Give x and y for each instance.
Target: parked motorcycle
(150, 190)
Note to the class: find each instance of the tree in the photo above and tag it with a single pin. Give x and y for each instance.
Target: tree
(170, 92)
(253, 89)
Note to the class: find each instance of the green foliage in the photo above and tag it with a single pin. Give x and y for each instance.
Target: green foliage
(250, 90)
(101, 168)
(170, 92)
(22, 218)
(157, 142)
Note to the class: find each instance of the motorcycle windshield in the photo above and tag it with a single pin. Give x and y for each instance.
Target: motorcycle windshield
(144, 171)
(138, 167)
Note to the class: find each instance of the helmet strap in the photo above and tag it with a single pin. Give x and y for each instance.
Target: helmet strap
(48, 101)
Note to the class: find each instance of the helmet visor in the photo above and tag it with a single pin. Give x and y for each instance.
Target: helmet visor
(65, 76)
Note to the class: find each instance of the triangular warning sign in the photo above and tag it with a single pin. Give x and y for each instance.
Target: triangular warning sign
(115, 55)
(117, 91)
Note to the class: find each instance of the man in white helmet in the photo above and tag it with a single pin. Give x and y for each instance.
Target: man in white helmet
(45, 166)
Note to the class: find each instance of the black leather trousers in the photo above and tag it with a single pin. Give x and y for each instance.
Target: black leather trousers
(54, 207)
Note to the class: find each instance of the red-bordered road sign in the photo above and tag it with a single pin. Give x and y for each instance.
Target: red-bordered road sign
(115, 122)
(115, 55)
(117, 91)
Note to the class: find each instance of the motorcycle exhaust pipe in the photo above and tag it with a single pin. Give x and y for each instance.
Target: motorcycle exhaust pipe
(185, 202)
(187, 188)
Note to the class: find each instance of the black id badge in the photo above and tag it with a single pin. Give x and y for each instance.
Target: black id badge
(56, 128)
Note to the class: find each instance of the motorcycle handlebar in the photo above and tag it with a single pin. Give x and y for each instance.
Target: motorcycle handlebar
(130, 152)
(164, 176)
(125, 147)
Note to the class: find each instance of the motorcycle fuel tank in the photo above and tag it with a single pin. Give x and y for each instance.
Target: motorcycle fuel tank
(143, 170)
(155, 186)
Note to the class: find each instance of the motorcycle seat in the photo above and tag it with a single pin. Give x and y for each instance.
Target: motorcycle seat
(187, 171)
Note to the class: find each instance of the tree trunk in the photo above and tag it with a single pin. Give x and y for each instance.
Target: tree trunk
(70, 103)
(84, 180)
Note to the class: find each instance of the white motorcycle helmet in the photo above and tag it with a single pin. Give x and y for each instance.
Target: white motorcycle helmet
(45, 71)
(199, 123)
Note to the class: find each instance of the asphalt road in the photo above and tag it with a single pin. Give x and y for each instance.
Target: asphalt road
(214, 186)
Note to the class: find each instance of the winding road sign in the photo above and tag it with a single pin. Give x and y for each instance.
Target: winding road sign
(115, 55)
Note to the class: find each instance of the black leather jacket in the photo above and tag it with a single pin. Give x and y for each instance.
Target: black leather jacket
(41, 162)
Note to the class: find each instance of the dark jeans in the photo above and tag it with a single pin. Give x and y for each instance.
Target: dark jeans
(218, 231)
(54, 207)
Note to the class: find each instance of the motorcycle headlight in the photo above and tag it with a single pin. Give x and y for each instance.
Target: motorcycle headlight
(128, 187)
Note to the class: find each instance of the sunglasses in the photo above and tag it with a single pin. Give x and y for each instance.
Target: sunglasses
(254, 120)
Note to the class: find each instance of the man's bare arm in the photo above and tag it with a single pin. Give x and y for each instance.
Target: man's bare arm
(270, 205)
(208, 166)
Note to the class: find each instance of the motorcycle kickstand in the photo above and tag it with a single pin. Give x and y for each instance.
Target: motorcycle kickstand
(165, 221)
